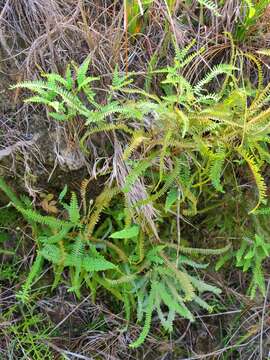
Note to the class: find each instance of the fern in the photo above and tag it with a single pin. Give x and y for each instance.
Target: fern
(45, 220)
(137, 139)
(126, 233)
(257, 177)
(59, 236)
(134, 174)
(216, 167)
(217, 70)
(210, 5)
(147, 321)
(9, 193)
(73, 209)
(102, 201)
(71, 100)
(36, 268)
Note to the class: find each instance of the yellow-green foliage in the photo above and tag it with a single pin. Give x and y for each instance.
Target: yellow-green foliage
(186, 152)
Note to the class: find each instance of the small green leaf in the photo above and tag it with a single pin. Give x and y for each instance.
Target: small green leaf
(87, 80)
(171, 199)
(63, 193)
(93, 264)
(59, 117)
(127, 233)
(69, 80)
(81, 73)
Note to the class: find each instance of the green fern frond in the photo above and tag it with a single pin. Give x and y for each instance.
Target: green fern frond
(59, 236)
(217, 70)
(135, 173)
(73, 209)
(52, 253)
(180, 54)
(51, 221)
(97, 263)
(35, 270)
(262, 211)
(216, 167)
(259, 180)
(120, 81)
(71, 100)
(182, 278)
(198, 251)
(77, 251)
(170, 301)
(203, 286)
(203, 304)
(81, 72)
(260, 100)
(129, 110)
(167, 184)
(103, 127)
(167, 323)
(147, 321)
(125, 279)
(210, 5)
(9, 193)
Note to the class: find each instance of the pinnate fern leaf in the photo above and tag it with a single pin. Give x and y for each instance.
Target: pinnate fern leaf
(259, 180)
(74, 213)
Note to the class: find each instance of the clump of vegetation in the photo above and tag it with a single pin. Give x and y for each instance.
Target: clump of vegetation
(179, 149)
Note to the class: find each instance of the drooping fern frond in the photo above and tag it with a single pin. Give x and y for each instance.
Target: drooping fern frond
(217, 70)
(147, 321)
(125, 279)
(182, 278)
(71, 100)
(9, 193)
(260, 100)
(51, 221)
(259, 180)
(203, 286)
(103, 127)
